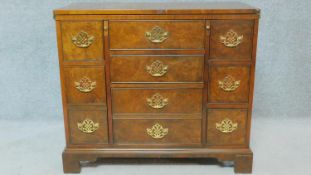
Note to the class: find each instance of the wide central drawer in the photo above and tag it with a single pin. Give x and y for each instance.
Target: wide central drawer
(157, 34)
(157, 68)
(142, 100)
(168, 131)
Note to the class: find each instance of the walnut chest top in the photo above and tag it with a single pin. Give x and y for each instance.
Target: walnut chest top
(157, 80)
(157, 8)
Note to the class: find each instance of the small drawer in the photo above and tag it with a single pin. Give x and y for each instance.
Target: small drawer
(85, 85)
(169, 131)
(140, 100)
(231, 39)
(88, 125)
(228, 84)
(157, 34)
(157, 68)
(226, 127)
(82, 41)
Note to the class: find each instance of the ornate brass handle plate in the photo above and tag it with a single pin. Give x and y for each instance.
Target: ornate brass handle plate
(85, 84)
(157, 35)
(157, 68)
(88, 126)
(226, 126)
(229, 83)
(231, 39)
(157, 131)
(82, 39)
(157, 101)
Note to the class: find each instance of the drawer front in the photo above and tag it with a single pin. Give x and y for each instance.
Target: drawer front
(169, 131)
(156, 100)
(229, 84)
(85, 85)
(231, 39)
(88, 125)
(157, 34)
(157, 68)
(226, 127)
(82, 41)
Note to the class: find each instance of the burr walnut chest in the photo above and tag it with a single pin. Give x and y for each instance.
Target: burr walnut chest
(157, 80)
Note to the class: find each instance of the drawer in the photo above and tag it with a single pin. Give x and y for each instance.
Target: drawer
(139, 100)
(231, 39)
(157, 68)
(88, 125)
(82, 41)
(169, 131)
(226, 127)
(229, 84)
(157, 34)
(85, 84)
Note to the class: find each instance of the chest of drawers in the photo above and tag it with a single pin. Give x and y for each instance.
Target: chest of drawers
(157, 80)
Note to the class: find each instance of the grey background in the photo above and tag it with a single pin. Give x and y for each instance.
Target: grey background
(29, 72)
(32, 131)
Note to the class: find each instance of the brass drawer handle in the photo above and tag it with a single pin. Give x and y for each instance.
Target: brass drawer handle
(229, 83)
(226, 126)
(157, 101)
(157, 131)
(82, 39)
(88, 126)
(231, 39)
(85, 84)
(157, 68)
(157, 35)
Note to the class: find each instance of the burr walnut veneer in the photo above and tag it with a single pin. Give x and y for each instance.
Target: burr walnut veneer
(157, 80)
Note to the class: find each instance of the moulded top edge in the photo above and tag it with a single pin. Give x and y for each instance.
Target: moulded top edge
(157, 8)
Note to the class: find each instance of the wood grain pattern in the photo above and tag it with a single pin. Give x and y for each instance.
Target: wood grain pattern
(243, 163)
(97, 115)
(242, 27)
(182, 34)
(93, 17)
(179, 131)
(206, 79)
(179, 100)
(196, 59)
(218, 138)
(219, 73)
(62, 80)
(252, 80)
(92, 53)
(158, 8)
(159, 85)
(95, 74)
(180, 68)
(71, 157)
